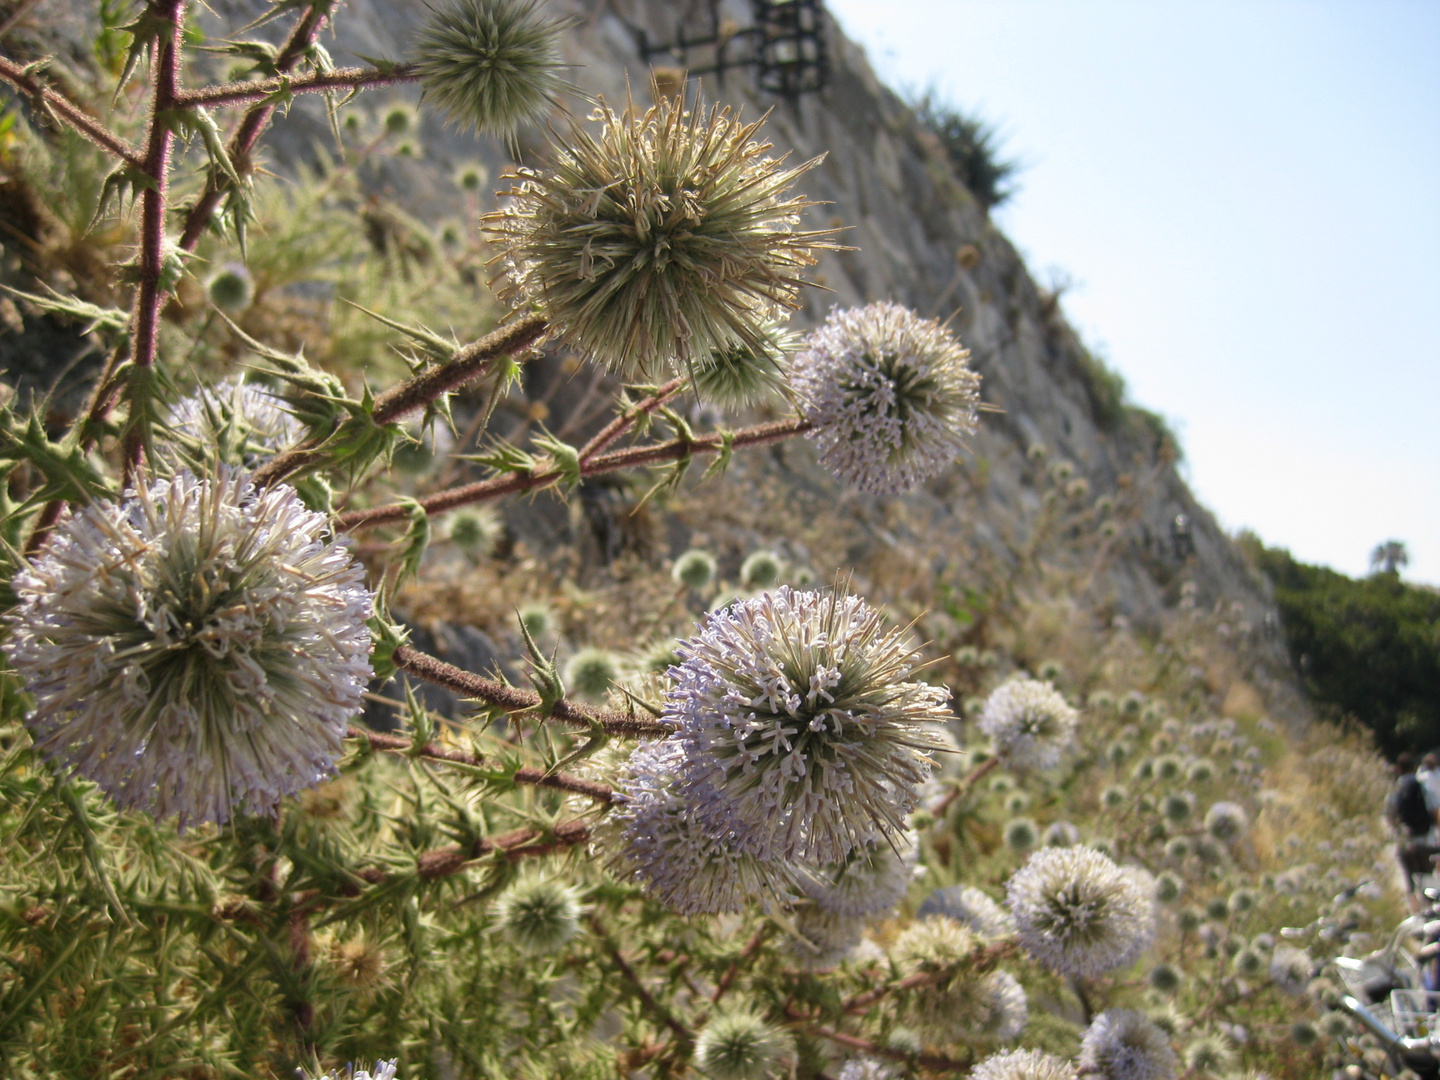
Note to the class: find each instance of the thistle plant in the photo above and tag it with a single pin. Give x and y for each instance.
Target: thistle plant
(251, 823)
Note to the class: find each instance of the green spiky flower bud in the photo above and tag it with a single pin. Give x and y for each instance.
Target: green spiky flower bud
(761, 570)
(538, 915)
(740, 1045)
(591, 672)
(231, 288)
(695, 569)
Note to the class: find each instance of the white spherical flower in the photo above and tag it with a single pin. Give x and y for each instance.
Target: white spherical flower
(232, 422)
(1011, 1010)
(538, 915)
(382, 1070)
(869, 881)
(1290, 970)
(197, 649)
(970, 907)
(1030, 723)
(863, 1068)
(1226, 822)
(1123, 1044)
(1080, 914)
(659, 842)
(889, 396)
(801, 732)
(1023, 1065)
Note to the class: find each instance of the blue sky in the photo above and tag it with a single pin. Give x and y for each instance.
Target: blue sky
(1246, 196)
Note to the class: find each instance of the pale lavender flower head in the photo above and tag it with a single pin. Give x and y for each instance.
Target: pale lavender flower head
(956, 1003)
(198, 649)
(802, 733)
(1023, 1065)
(1290, 969)
(382, 1070)
(233, 423)
(970, 907)
(1123, 1044)
(687, 864)
(890, 396)
(1030, 722)
(865, 1068)
(1226, 821)
(1080, 914)
(870, 881)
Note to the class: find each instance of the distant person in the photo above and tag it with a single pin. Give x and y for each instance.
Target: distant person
(1411, 810)
(1429, 775)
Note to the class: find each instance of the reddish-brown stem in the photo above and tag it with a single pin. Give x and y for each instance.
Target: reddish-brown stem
(981, 961)
(746, 955)
(933, 1062)
(240, 93)
(626, 420)
(647, 1000)
(630, 458)
(64, 109)
(150, 296)
(49, 517)
(254, 122)
(981, 771)
(521, 844)
(398, 744)
(517, 700)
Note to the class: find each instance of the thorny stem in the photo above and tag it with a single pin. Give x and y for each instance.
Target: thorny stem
(397, 744)
(746, 955)
(981, 771)
(622, 423)
(418, 391)
(150, 296)
(934, 1062)
(302, 35)
(646, 998)
(982, 960)
(57, 104)
(521, 844)
(513, 699)
(264, 90)
(631, 458)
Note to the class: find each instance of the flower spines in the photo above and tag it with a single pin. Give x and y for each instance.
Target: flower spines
(890, 396)
(800, 725)
(1078, 913)
(196, 649)
(666, 238)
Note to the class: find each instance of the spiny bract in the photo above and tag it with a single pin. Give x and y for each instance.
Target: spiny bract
(889, 396)
(196, 649)
(664, 239)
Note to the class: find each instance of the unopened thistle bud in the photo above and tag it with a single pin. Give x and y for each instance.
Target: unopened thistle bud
(492, 65)
(800, 725)
(663, 239)
(474, 530)
(1030, 723)
(1123, 1044)
(739, 375)
(761, 570)
(1021, 835)
(591, 672)
(1209, 1053)
(890, 396)
(195, 650)
(537, 620)
(1226, 822)
(231, 288)
(1166, 978)
(740, 1045)
(1080, 914)
(695, 569)
(538, 915)
(1168, 888)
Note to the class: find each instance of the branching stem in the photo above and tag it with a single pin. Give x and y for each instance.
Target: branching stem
(57, 104)
(275, 89)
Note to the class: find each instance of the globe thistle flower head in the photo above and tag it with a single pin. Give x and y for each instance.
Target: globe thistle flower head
(1209, 1053)
(665, 238)
(959, 1002)
(230, 423)
(695, 569)
(1168, 888)
(538, 915)
(475, 531)
(761, 570)
(195, 650)
(740, 1045)
(1290, 970)
(231, 288)
(1335, 1025)
(1030, 723)
(1226, 822)
(1122, 1044)
(491, 65)
(655, 838)
(537, 620)
(971, 908)
(591, 672)
(1062, 834)
(1078, 913)
(864, 1068)
(1021, 834)
(738, 375)
(889, 396)
(1166, 978)
(870, 881)
(801, 726)
(381, 1070)
(1177, 806)
(1023, 1065)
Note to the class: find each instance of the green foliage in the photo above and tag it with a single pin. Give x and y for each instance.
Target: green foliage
(1367, 649)
(973, 148)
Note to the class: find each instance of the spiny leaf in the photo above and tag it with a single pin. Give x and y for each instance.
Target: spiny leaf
(71, 307)
(564, 457)
(439, 349)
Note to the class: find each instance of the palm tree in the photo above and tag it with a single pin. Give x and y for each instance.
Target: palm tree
(1389, 557)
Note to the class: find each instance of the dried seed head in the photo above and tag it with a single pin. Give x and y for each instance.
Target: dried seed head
(667, 237)
(491, 65)
(800, 729)
(196, 650)
(890, 396)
